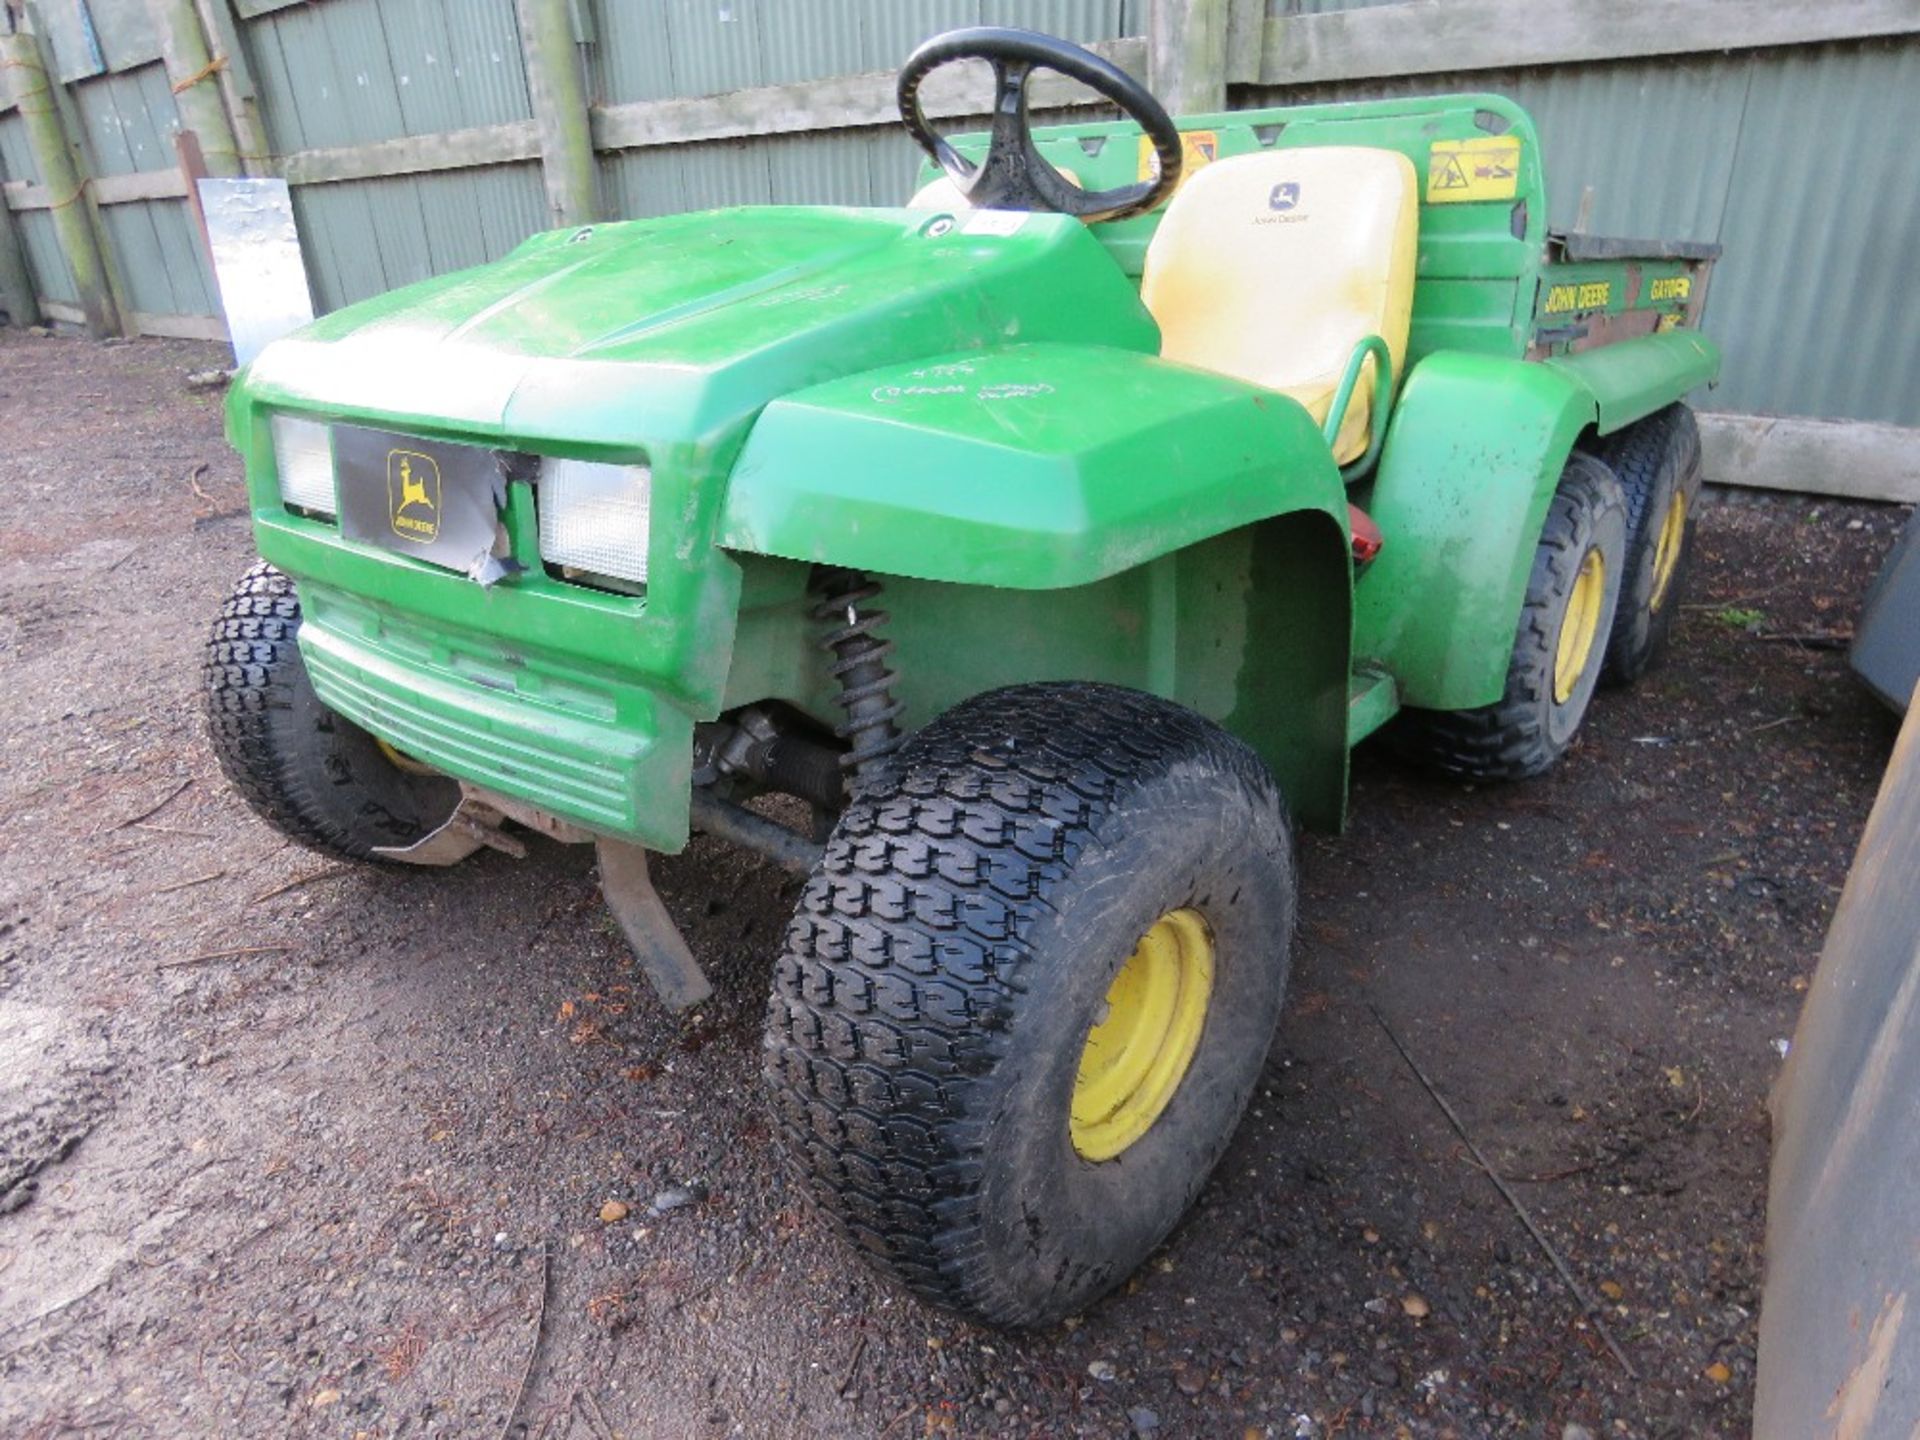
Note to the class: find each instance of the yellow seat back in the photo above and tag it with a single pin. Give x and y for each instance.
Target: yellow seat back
(1272, 267)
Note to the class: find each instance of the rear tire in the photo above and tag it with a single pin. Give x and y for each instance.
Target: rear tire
(1557, 652)
(928, 1036)
(1657, 462)
(314, 776)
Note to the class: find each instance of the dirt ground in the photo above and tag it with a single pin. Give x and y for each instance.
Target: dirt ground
(292, 1149)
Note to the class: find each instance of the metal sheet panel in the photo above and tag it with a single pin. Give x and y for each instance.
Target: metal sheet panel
(129, 120)
(1837, 1350)
(652, 49)
(45, 258)
(1798, 162)
(353, 71)
(367, 236)
(16, 155)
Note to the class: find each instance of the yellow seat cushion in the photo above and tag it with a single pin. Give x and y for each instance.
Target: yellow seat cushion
(1272, 267)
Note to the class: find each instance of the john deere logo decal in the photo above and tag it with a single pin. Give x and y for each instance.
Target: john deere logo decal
(1283, 196)
(413, 495)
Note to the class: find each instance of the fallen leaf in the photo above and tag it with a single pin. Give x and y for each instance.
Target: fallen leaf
(1611, 1289)
(322, 1398)
(614, 1211)
(1676, 1077)
(1718, 1373)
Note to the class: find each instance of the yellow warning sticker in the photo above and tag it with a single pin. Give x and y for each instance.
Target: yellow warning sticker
(1486, 167)
(1197, 148)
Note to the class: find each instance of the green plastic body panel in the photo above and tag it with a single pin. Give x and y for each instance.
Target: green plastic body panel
(1473, 455)
(1479, 263)
(1035, 467)
(1250, 628)
(1631, 378)
(970, 409)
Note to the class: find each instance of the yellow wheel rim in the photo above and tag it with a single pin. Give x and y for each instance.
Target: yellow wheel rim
(405, 761)
(1138, 1052)
(1579, 626)
(1666, 550)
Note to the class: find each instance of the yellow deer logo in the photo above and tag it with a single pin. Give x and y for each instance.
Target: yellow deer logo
(413, 494)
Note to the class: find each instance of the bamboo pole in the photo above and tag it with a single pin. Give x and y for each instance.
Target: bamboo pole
(30, 83)
(558, 86)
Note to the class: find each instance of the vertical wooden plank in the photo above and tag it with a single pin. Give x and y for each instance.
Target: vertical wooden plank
(30, 82)
(557, 85)
(1187, 54)
(236, 85)
(194, 73)
(16, 281)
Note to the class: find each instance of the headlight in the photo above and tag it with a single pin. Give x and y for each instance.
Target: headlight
(593, 518)
(303, 454)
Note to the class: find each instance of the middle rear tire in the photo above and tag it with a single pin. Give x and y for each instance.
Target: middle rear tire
(1028, 992)
(1558, 650)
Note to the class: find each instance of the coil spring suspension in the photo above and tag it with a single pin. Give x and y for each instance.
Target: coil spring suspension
(860, 667)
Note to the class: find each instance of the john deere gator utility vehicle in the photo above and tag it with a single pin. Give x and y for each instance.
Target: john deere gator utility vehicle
(1052, 538)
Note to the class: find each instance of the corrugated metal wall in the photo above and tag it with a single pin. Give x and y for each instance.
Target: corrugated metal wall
(352, 71)
(107, 53)
(660, 49)
(1801, 162)
(52, 277)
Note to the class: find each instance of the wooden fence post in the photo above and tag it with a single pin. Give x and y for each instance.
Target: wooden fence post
(194, 74)
(558, 87)
(16, 281)
(1187, 54)
(31, 83)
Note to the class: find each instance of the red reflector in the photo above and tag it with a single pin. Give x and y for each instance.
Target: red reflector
(1367, 539)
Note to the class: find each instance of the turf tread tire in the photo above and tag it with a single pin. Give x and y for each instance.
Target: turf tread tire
(1650, 458)
(1525, 731)
(311, 774)
(896, 1009)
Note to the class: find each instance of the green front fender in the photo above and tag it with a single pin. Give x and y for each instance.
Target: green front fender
(1472, 458)
(1036, 467)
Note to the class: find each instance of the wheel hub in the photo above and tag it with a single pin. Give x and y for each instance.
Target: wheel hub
(1138, 1051)
(1666, 550)
(1579, 626)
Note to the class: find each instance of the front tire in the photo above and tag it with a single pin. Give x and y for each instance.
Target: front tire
(314, 776)
(1028, 992)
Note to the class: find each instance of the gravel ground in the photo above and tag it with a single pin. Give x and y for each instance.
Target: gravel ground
(293, 1149)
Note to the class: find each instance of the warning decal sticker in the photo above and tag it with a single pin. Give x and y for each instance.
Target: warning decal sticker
(1486, 167)
(1197, 148)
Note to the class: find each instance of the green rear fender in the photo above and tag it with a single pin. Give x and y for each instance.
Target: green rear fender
(1473, 455)
(1036, 467)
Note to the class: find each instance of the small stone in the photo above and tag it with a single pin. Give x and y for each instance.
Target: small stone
(1718, 1373)
(678, 1197)
(1144, 1421)
(614, 1211)
(323, 1398)
(1576, 1432)
(1101, 1370)
(1416, 1307)
(1189, 1377)
(1611, 1289)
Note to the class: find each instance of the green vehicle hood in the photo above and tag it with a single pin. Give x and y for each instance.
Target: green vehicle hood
(617, 337)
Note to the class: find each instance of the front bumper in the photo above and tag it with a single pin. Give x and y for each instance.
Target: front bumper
(528, 722)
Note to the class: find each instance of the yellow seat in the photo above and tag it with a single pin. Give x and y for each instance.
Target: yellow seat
(1272, 267)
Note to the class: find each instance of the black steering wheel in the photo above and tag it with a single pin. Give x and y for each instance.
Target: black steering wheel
(1013, 175)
